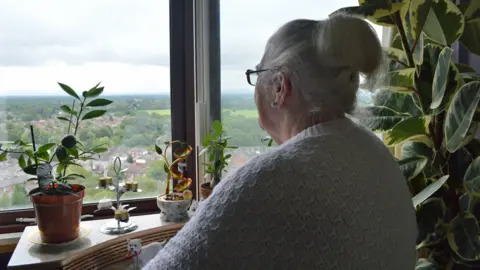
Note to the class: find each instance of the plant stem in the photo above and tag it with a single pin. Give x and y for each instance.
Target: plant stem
(403, 37)
(78, 117)
(33, 144)
(71, 115)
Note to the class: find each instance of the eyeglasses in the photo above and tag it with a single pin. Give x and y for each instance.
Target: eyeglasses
(252, 75)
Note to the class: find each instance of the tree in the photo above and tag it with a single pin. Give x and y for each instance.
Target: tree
(129, 158)
(5, 201)
(19, 195)
(155, 170)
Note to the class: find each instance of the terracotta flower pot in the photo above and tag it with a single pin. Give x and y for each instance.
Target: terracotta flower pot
(58, 217)
(205, 190)
(173, 211)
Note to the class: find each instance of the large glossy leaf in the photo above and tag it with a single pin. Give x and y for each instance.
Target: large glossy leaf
(383, 10)
(464, 237)
(93, 114)
(412, 166)
(429, 214)
(445, 22)
(472, 178)
(418, 11)
(424, 264)
(440, 78)
(400, 80)
(67, 109)
(401, 103)
(412, 149)
(411, 129)
(471, 36)
(459, 115)
(429, 191)
(381, 118)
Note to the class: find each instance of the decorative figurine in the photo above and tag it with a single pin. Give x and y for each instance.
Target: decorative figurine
(134, 248)
(121, 223)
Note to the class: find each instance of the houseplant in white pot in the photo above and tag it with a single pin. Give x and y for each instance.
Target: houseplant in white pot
(215, 144)
(175, 202)
(57, 203)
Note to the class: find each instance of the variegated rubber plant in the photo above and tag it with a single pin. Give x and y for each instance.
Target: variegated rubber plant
(428, 109)
(41, 161)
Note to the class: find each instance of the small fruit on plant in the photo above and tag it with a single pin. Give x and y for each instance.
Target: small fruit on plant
(69, 141)
(61, 152)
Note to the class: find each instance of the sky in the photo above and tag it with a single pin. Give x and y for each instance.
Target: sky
(125, 44)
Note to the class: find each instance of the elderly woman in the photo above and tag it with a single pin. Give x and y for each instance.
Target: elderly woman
(330, 196)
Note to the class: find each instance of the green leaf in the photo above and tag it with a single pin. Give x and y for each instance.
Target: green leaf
(440, 78)
(471, 36)
(401, 81)
(32, 169)
(429, 214)
(64, 119)
(460, 114)
(21, 162)
(464, 237)
(418, 11)
(75, 175)
(429, 190)
(69, 90)
(379, 118)
(412, 149)
(382, 14)
(472, 10)
(99, 102)
(46, 147)
(412, 166)
(67, 109)
(217, 128)
(472, 178)
(3, 156)
(93, 114)
(165, 168)
(100, 150)
(411, 129)
(424, 264)
(445, 22)
(94, 92)
(158, 149)
(401, 103)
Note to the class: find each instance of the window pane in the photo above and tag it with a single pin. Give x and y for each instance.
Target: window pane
(245, 29)
(124, 45)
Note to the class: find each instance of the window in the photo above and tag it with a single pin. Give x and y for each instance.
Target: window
(123, 44)
(245, 29)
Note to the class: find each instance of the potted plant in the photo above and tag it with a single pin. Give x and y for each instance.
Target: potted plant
(215, 144)
(57, 203)
(175, 202)
(428, 110)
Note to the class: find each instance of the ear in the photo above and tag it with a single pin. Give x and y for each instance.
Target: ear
(283, 90)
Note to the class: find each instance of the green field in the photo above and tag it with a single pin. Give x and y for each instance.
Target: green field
(159, 112)
(244, 113)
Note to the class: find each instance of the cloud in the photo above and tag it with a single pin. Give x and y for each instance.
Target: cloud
(125, 43)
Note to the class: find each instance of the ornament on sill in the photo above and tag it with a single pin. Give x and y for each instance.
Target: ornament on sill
(121, 223)
(134, 248)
